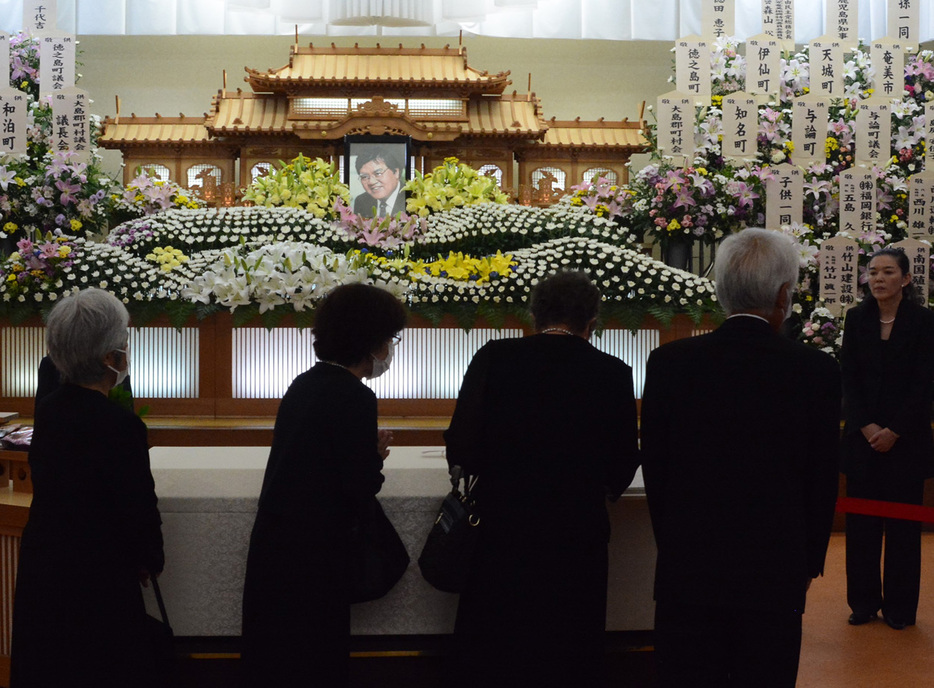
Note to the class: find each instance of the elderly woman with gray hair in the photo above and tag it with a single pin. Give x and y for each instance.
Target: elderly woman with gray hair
(93, 534)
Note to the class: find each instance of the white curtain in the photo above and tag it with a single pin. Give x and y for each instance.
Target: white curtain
(617, 20)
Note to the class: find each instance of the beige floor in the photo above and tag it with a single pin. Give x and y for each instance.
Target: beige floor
(834, 654)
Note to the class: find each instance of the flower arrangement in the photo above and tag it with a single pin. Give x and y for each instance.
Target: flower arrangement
(602, 197)
(450, 185)
(24, 64)
(45, 190)
(683, 205)
(52, 191)
(476, 261)
(35, 267)
(823, 331)
(380, 232)
(167, 258)
(313, 185)
(457, 266)
(661, 195)
(292, 274)
(145, 195)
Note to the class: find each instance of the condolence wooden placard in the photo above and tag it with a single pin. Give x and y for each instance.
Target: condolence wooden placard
(839, 270)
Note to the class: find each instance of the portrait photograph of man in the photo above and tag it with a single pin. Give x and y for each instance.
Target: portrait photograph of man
(378, 178)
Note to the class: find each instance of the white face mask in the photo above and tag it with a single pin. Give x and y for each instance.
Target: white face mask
(380, 366)
(121, 374)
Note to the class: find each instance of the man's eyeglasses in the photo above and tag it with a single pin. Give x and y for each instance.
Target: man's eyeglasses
(376, 173)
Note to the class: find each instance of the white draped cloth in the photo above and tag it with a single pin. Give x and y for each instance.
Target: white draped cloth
(617, 20)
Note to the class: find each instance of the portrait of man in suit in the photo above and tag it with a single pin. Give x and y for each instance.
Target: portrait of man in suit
(381, 172)
(740, 432)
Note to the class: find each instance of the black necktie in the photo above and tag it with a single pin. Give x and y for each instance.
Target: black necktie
(382, 208)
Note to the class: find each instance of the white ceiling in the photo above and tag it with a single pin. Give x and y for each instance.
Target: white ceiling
(574, 19)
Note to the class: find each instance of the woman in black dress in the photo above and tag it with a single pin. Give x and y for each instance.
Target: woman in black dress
(887, 362)
(94, 529)
(324, 471)
(548, 424)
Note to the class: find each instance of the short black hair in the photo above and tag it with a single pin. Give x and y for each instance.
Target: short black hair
(909, 291)
(384, 154)
(567, 298)
(353, 321)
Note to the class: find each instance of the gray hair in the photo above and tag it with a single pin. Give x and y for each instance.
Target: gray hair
(81, 330)
(752, 265)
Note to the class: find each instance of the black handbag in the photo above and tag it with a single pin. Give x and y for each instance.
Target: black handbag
(446, 558)
(161, 641)
(378, 557)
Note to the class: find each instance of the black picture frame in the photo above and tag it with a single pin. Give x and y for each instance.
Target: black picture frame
(367, 150)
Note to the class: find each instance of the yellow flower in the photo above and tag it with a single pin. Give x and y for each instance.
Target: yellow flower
(20, 181)
(76, 225)
(674, 226)
(64, 251)
(10, 227)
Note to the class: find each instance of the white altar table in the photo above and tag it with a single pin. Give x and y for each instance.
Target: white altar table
(208, 496)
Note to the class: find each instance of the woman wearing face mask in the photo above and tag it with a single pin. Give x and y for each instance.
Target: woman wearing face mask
(324, 471)
(93, 534)
(887, 362)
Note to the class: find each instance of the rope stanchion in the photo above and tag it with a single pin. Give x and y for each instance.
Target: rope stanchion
(874, 507)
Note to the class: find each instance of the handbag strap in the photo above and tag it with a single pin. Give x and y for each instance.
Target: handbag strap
(457, 474)
(158, 591)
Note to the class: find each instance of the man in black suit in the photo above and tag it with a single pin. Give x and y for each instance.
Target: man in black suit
(740, 431)
(382, 177)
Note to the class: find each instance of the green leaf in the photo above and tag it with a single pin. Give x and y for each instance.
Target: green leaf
(244, 314)
(179, 312)
(662, 314)
(493, 314)
(272, 318)
(304, 319)
(466, 317)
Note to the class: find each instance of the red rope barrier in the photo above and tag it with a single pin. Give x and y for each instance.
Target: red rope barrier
(874, 507)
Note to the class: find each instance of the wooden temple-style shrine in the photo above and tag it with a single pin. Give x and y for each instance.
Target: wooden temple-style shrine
(432, 95)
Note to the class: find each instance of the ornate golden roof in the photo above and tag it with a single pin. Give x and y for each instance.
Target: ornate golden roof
(385, 71)
(600, 134)
(158, 130)
(247, 114)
